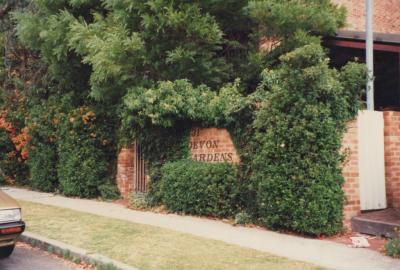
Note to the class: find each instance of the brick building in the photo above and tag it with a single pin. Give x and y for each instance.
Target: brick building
(386, 15)
(348, 44)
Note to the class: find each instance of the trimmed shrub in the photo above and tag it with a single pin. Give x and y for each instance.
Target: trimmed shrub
(199, 188)
(297, 160)
(42, 149)
(81, 170)
(42, 165)
(86, 154)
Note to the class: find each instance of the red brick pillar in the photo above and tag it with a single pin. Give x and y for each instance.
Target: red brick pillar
(125, 171)
(350, 173)
(392, 157)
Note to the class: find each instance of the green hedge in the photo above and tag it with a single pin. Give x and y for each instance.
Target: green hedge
(12, 166)
(297, 160)
(5, 147)
(42, 149)
(199, 188)
(42, 165)
(87, 153)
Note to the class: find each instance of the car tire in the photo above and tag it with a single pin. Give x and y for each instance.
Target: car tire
(6, 251)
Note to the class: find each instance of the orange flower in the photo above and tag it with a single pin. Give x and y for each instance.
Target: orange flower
(89, 116)
(24, 154)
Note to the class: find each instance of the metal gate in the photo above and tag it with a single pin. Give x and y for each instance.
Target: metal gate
(140, 170)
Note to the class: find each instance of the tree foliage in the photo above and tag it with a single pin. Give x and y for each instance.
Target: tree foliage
(282, 19)
(133, 42)
(170, 102)
(108, 72)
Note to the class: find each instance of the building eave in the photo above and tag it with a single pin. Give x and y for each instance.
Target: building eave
(360, 36)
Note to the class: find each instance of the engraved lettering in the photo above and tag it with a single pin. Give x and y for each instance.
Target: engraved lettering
(215, 144)
(206, 145)
(201, 144)
(223, 158)
(195, 132)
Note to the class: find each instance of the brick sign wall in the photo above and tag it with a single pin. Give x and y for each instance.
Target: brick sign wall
(212, 145)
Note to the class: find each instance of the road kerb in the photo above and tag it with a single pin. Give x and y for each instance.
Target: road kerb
(73, 253)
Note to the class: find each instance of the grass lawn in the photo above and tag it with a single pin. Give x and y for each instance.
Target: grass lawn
(146, 247)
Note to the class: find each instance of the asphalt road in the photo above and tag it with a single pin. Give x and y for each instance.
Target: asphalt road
(27, 258)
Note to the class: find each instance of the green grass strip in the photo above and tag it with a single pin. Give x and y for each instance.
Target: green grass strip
(147, 247)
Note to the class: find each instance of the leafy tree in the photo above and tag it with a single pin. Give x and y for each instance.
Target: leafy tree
(151, 69)
(282, 19)
(289, 24)
(135, 42)
(106, 54)
(115, 45)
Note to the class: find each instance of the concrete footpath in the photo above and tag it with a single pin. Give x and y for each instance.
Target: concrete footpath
(320, 252)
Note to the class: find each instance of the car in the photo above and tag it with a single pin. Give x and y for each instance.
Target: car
(11, 224)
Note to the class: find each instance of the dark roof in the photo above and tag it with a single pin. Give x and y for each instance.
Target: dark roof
(378, 37)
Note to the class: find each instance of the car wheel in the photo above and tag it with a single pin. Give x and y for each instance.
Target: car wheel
(6, 251)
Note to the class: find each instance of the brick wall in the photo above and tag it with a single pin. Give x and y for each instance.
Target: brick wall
(125, 171)
(350, 173)
(206, 145)
(214, 142)
(386, 15)
(392, 157)
(212, 145)
(392, 164)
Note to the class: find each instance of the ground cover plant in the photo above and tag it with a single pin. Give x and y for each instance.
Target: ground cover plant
(392, 247)
(98, 75)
